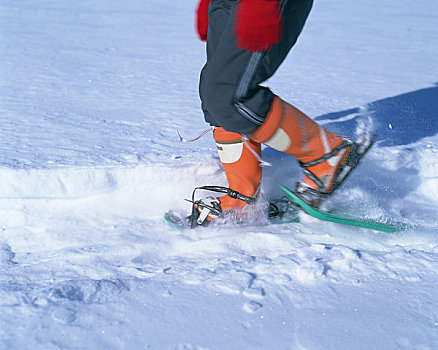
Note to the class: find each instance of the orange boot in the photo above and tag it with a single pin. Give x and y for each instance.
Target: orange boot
(243, 173)
(241, 166)
(321, 153)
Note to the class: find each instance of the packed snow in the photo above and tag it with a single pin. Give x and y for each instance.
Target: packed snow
(91, 95)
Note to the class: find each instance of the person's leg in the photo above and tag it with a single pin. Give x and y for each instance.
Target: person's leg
(233, 98)
(230, 89)
(238, 157)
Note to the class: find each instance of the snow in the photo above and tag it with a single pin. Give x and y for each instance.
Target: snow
(92, 93)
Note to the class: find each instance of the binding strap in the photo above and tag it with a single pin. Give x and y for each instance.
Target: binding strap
(196, 218)
(226, 190)
(325, 157)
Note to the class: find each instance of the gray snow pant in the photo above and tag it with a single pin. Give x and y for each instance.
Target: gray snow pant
(230, 81)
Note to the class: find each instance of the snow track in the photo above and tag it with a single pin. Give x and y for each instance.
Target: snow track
(86, 242)
(93, 237)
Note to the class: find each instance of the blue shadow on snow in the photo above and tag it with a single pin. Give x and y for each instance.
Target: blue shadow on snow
(397, 120)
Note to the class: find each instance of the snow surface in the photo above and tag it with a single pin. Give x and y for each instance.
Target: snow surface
(91, 94)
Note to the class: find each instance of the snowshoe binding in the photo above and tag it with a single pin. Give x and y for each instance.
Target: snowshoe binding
(208, 210)
(323, 176)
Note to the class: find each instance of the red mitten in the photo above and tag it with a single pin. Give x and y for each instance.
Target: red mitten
(202, 19)
(258, 24)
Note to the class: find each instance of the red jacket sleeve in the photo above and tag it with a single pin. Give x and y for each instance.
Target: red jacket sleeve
(202, 19)
(258, 24)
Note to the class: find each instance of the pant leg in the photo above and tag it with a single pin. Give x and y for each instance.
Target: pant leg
(230, 81)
